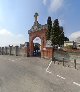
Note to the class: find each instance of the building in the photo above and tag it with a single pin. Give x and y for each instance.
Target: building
(72, 43)
(68, 43)
(38, 30)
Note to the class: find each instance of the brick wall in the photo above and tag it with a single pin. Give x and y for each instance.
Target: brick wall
(47, 53)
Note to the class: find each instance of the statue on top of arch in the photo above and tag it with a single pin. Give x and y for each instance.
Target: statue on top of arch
(36, 26)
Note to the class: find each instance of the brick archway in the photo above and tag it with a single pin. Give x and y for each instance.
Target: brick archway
(42, 35)
(38, 30)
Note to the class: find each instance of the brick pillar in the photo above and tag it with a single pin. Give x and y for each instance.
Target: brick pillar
(31, 48)
(10, 50)
(49, 52)
(26, 51)
(0, 50)
(6, 50)
(16, 50)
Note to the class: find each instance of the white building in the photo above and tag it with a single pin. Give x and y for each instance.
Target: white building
(68, 43)
(72, 43)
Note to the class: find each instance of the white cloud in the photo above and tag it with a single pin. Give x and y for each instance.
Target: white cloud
(74, 36)
(55, 5)
(9, 38)
(4, 32)
(44, 2)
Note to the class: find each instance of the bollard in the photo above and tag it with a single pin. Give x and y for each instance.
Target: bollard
(63, 61)
(75, 63)
(58, 62)
(54, 60)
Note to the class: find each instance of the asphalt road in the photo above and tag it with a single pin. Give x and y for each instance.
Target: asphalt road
(22, 74)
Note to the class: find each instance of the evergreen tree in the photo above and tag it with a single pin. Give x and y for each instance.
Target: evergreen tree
(49, 23)
(57, 34)
(61, 36)
(66, 39)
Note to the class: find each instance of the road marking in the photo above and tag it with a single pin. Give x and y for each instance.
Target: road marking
(13, 60)
(76, 83)
(48, 71)
(48, 65)
(61, 77)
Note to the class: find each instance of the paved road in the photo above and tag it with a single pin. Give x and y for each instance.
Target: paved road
(22, 74)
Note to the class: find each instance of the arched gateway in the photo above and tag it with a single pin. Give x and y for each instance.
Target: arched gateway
(39, 30)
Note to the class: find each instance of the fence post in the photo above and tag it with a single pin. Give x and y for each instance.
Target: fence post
(63, 61)
(75, 63)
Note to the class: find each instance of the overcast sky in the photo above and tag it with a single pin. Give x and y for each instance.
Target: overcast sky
(17, 17)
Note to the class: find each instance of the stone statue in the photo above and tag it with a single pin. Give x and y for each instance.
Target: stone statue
(36, 17)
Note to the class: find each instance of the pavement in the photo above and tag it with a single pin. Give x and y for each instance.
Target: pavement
(33, 74)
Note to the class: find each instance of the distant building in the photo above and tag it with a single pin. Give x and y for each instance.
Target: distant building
(68, 43)
(72, 43)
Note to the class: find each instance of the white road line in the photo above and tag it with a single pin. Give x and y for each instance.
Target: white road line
(61, 77)
(13, 60)
(48, 65)
(76, 83)
(49, 72)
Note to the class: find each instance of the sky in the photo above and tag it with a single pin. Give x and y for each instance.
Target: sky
(17, 17)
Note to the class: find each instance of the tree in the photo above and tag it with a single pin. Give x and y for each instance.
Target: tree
(66, 39)
(61, 36)
(49, 23)
(57, 34)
